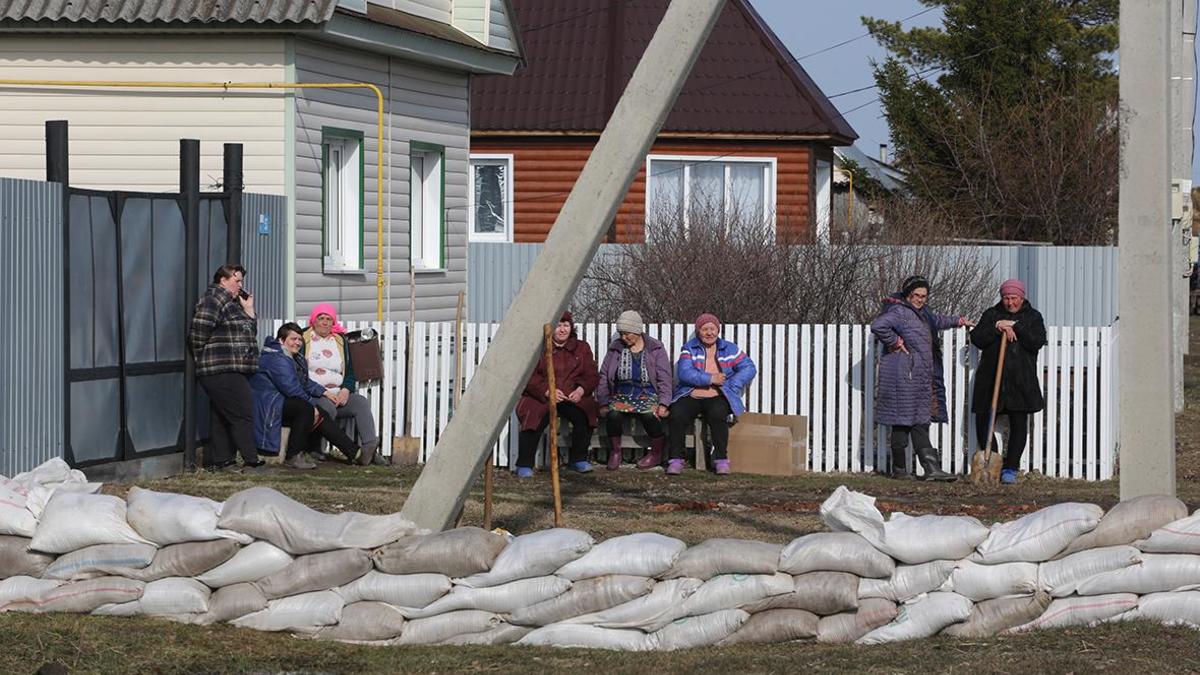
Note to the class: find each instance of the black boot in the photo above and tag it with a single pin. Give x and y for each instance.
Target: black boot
(931, 461)
(900, 466)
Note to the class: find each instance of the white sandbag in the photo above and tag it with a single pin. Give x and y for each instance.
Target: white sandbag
(1060, 577)
(15, 517)
(1171, 608)
(584, 597)
(84, 596)
(1039, 536)
(588, 637)
(533, 555)
(1156, 573)
(1130, 521)
(984, 582)
(435, 629)
(726, 556)
(1080, 611)
(17, 560)
(909, 539)
(24, 593)
(364, 621)
(165, 597)
(31, 490)
(644, 554)
(835, 552)
(992, 617)
(699, 631)
(101, 560)
(732, 591)
(921, 618)
(908, 581)
(1180, 536)
(498, 599)
(316, 572)
(501, 634)
(249, 564)
(662, 605)
(775, 625)
(460, 552)
(73, 521)
(305, 613)
(850, 626)
(230, 602)
(821, 593)
(401, 590)
(189, 559)
(269, 515)
(167, 518)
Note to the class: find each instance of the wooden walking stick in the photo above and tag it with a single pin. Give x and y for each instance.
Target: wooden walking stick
(552, 441)
(984, 467)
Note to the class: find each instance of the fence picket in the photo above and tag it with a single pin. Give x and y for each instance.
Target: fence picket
(856, 399)
(817, 422)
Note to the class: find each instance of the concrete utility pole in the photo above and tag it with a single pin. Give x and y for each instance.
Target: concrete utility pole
(1183, 80)
(1145, 403)
(467, 441)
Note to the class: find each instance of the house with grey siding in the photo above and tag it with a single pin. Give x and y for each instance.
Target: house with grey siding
(318, 147)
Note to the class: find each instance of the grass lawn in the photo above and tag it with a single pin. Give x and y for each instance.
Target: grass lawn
(693, 508)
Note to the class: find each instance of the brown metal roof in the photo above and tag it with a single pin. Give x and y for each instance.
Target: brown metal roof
(581, 54)
(167, 11)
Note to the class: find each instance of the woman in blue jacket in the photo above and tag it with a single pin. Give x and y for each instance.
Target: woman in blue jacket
(284, 395)
(712, 374)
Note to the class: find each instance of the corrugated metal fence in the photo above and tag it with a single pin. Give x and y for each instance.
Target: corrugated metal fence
(1070, 285)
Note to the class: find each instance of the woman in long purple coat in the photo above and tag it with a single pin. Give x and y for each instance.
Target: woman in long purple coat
(907, 397)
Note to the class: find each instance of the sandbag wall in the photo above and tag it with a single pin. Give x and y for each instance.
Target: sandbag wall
(261, 560)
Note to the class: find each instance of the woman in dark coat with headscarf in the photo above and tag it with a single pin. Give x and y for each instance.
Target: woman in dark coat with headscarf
(908, 395)
(1015, 323)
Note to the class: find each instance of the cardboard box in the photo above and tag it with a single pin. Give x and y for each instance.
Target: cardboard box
(772, 445)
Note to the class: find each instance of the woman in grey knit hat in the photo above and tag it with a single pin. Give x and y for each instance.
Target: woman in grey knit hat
(635, 381)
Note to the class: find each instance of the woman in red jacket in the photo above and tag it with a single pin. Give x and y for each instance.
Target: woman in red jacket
(575, 378)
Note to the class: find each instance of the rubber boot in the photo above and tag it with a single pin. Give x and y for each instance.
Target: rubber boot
(900, 466)
(931, 461)
(614, 453)
(653, 458)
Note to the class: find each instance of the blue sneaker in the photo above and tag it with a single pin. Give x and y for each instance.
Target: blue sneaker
(524, 472)
(1008, 476)
(582, 467)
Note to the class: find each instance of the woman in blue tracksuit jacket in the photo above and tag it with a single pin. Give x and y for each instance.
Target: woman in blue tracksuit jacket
(712, 374)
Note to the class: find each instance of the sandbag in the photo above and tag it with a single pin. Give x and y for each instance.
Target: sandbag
(167, 518)
(699, 631)
(1180, 536)
(17, 560)
(231, 602)
(401, 590)
(316, 572)
(533, 555)
(731, 591)
(165, 598)
(249, 564)
(501, 634)
(589, 595)
(821, 593)
(907, 582)
(1130, 521)
(442, 627)
(662, 605)
(835, 552)
(1173, 608)
(921, 618)
(912, 540)
(497, 599)
(1039, 536)
(304, 613)
(24, 593)
(364, 621)
(726, 556)
(984, 582)
(15, 517)
(74, 520)
(850, 626)
(189, 559)
(774, 625)
(588, 637)
(101, 560)
(1063, 575)
(52, 475)
(460, 552)
(269, 515)
(992, 617)
(1157, 572)
(82, 597)
(644, 554)
(1077, 611)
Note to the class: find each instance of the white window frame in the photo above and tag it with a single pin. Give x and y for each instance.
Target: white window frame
(769, 185)
(342, 202)
(426, 252)
(507, 236)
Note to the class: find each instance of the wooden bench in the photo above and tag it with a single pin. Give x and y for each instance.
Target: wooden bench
(633, 438)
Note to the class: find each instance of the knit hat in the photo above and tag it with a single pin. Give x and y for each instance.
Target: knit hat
(630, 322)
(913, 283)
(566, 316)
(1013, 287)
(707, 318)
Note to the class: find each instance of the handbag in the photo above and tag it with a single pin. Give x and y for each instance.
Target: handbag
(366, 355)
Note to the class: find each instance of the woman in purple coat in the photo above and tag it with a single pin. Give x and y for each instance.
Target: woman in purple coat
(907, 395)
(635, 381)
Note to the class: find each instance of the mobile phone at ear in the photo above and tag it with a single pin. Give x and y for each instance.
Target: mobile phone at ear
(243, 294)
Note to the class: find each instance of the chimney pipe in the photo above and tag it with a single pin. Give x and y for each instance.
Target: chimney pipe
(883, 152)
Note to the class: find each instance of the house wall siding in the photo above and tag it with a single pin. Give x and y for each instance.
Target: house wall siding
(470, 17)
(500, 30)
(423, 104)
(129, 139)
(545, 170)
(438, 10)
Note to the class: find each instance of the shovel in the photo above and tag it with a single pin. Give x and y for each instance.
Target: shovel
(985, 466)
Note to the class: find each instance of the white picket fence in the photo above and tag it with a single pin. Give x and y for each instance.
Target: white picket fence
(824, 372)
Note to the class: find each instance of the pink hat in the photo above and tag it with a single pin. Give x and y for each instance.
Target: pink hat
(325, 308)
(707, 318)
(1013, 287)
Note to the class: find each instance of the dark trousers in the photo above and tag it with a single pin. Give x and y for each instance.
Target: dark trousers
(614, 423)
(899, 441)
(231, 419)
(683, 415)
(1018, 428)
(581, 435)
(298, 416)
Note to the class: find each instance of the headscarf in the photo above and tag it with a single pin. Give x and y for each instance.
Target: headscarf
(326, 308)
(913, 283)
(707, 318)
(1013, 287)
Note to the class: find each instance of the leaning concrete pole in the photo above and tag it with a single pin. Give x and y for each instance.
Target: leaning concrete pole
(467, 441)
(1183, 27)
(1145, 403)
